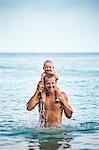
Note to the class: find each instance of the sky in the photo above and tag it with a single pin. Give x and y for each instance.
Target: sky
(49, 25)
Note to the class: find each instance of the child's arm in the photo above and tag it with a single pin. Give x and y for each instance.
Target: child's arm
(42, 76)
(54, 72)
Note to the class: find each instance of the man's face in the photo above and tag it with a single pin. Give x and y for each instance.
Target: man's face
(50, 84)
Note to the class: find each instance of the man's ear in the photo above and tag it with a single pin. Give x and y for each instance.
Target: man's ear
(43, 67)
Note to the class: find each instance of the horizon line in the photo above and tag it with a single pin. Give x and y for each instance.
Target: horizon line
(47, 52)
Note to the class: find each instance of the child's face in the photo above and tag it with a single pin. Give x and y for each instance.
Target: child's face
(48, 67)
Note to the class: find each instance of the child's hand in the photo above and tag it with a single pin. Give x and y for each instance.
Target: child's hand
(58, 93)
(60, 96)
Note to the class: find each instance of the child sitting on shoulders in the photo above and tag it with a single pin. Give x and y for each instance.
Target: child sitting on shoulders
(48, 69)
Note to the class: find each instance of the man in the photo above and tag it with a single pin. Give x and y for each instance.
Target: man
(53, 106)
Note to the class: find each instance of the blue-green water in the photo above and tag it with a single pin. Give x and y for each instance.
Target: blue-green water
(78, 76)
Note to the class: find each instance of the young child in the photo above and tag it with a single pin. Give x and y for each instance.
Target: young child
(48, 69)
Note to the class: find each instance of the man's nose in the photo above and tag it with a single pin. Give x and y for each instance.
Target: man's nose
(51, 85)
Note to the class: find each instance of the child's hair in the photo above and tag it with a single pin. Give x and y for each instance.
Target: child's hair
(47, 61)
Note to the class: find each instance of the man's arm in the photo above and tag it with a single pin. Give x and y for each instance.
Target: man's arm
(34, 100)
(64, 100)
(67, 108)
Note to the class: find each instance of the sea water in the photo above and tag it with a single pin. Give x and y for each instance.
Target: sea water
(78, 77)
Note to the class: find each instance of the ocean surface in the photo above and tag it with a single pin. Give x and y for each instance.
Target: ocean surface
(78, 77)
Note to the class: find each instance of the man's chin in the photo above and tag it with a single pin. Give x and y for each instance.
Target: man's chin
(51, 90)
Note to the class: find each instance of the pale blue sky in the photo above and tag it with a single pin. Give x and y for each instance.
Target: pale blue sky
(49, 25)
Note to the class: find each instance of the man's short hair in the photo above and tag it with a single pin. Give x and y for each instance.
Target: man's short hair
(49, 76)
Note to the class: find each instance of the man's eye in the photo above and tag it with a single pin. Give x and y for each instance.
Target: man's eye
(48, 83)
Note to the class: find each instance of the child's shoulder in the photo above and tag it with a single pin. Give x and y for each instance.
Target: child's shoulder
(43, 74)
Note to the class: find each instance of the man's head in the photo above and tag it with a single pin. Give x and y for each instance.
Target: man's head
(50, 83)
(48, 67)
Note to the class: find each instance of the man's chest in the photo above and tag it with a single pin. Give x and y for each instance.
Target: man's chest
(52, 105)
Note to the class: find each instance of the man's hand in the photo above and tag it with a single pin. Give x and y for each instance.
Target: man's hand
(40, 86)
